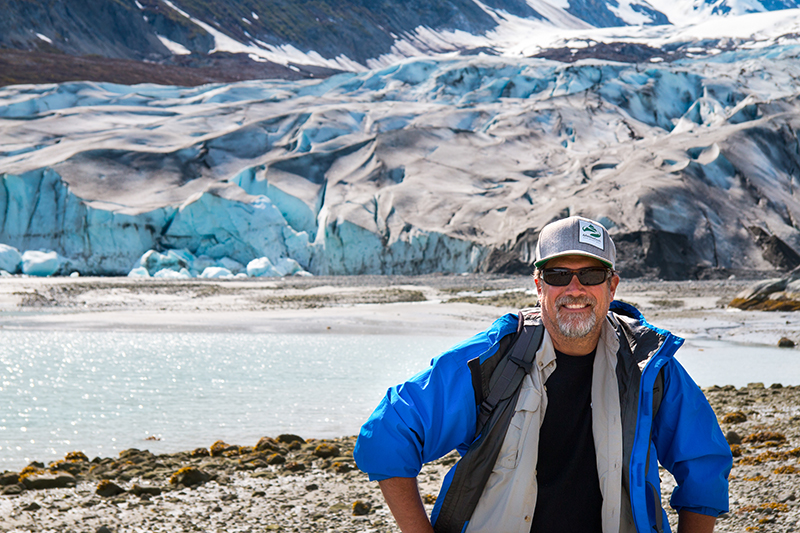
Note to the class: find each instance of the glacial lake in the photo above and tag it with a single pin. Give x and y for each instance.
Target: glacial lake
(103, 392)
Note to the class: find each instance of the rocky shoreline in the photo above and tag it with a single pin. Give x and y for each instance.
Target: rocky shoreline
(289, 483)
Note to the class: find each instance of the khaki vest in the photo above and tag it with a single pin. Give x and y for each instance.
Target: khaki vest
(512, 484)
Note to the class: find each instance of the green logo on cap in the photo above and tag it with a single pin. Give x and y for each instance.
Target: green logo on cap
(592, 231)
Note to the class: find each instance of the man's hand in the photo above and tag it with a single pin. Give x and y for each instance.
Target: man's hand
(689, 522)
(402, 497)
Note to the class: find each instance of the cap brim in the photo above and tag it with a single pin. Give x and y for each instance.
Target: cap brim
(542, 262)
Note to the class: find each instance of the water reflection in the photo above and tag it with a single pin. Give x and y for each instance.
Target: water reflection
(712, 362)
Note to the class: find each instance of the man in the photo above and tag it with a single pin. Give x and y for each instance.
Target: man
(581, 449)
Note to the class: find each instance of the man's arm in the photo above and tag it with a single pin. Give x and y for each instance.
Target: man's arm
(691, 445)
(402, 497)
(689, 522)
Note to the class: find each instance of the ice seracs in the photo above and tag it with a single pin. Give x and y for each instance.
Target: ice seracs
(425, 166)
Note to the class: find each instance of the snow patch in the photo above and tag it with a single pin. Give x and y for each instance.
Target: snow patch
(281, 55)
(176, 48)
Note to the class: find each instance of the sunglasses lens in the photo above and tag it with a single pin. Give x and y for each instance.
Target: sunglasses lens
(560, 277)
(557, 277)
(592, 276)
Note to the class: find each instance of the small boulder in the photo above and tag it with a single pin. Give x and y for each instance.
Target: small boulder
(47, 480)
(361, 508)
(288, 438)
(33, 506)
(276, 459)
(268, 444)
(736, 417)
(138, 490)
(294, 466)
(189, 476)
(220, 448)
(136, 456)
(733, 438)
(77, 456)
(786, 342)
(9, 478)
(765, 437)
(758, 292)
(108, 489)
(325, 450)
(341, 467)
(199, 452)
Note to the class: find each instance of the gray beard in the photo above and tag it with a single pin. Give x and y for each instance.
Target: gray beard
(576, 327)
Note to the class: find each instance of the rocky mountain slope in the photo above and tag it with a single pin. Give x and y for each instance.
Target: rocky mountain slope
(230, 40)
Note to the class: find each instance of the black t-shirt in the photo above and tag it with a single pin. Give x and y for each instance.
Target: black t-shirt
(569, 499)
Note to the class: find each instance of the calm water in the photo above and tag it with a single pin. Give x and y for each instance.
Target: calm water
(103, 392)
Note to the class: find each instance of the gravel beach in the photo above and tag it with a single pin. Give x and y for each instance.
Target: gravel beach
(291, 483)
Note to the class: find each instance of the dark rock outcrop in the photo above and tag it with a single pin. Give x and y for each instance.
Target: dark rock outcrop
(779, 294)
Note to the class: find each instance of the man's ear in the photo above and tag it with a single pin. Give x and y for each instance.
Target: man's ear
(614, 284)
(538, 283)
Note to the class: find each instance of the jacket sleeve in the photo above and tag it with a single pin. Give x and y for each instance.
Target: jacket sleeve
(426, 417)
(691, 445)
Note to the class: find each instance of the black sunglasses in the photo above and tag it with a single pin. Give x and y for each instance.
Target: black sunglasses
(561, 277)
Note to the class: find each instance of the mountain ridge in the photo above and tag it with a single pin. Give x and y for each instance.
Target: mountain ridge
(260, 39)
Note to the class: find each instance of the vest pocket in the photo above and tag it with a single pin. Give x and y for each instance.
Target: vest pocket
(525, 413)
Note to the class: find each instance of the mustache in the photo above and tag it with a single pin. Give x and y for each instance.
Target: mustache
(575, 300)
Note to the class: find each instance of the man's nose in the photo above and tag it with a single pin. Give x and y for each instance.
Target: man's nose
(574, 284)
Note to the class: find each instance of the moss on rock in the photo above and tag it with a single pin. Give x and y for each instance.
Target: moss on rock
(189, 476)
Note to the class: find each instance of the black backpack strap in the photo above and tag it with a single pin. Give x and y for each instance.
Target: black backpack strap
(658, 394)
(512, 370)
(473, 470)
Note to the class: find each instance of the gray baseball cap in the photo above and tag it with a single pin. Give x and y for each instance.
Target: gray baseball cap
(575, 236)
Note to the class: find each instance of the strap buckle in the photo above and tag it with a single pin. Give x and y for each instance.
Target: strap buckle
(526, 365)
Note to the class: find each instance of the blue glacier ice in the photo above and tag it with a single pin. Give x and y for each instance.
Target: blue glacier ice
(431, 165)
(41, 263)
(10, 259)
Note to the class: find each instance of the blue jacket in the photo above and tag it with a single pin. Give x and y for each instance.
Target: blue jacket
(434, 412)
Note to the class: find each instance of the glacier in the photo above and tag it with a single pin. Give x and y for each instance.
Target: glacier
(428, 165)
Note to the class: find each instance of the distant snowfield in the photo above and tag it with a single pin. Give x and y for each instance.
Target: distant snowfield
(756, 29)
(519, 37)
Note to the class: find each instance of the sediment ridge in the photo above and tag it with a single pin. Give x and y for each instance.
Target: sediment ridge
(288, 483)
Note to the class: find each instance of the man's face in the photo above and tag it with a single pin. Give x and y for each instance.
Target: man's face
(574, 314)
